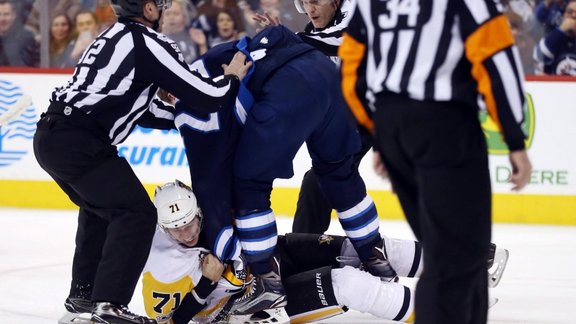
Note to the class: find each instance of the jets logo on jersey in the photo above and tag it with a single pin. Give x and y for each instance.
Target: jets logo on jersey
(258, 54)
(566, 65)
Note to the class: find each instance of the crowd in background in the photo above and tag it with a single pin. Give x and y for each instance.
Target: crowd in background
(545, 30)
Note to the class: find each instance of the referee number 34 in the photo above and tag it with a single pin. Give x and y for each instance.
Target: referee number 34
(409, 9)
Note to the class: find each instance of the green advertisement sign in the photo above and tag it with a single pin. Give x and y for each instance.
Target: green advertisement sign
(496, 145)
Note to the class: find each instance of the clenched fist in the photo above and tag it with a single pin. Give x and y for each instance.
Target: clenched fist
(212, 268)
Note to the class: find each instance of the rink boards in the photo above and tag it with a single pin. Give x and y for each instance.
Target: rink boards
(158, 156)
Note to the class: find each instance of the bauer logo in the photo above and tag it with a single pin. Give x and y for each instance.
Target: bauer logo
(496, 145)
(17, 132)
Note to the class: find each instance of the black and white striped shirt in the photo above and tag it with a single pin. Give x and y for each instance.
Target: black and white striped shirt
(434, 50)
(117, 77)
(329, 38)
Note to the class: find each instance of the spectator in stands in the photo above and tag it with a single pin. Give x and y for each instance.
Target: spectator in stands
(102, 10)
(556, 53)
(174, 22)
(531, 27)
(86, 29)
(523, 8)
(17, 44)
(523, 40)
(549, 13)
(208, 11)
(61, 35)
(86, 21)
(70, 7)
(226, 29)
(23, 9)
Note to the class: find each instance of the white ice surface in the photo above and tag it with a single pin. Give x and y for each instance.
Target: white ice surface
(36, 248)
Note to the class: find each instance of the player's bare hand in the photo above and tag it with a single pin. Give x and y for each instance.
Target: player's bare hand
(212, 268)
(266, 19)
(378, 165)
(166, 96)
(238, 66)
(380, 168)
(521, 169)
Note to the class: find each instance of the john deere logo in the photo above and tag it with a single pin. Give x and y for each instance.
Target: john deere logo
(494, 138)
(17, 133)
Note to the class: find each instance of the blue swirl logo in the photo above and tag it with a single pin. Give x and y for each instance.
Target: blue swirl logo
(17, 134)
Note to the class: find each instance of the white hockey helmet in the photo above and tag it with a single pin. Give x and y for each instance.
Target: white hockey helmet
(176, 205)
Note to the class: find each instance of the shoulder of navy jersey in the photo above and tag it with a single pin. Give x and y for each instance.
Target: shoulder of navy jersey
(271, 49)
(217, 55)
(274, 37)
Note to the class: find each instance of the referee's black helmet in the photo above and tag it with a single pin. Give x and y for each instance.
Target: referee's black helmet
(134, 8)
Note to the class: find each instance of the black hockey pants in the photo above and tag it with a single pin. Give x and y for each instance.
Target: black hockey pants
(116, 220)
(437, 160)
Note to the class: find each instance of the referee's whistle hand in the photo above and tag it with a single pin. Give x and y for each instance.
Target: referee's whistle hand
(521, 169)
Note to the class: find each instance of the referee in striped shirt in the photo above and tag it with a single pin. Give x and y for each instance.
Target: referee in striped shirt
(326, 26)
(113, 90)
(425, 68)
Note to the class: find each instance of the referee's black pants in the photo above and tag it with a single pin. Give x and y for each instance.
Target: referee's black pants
(116, 220)
(437, 160)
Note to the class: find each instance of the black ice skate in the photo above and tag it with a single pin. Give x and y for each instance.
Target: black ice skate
(78, 306)
(378, 265)
(265, 292)
(108, 313)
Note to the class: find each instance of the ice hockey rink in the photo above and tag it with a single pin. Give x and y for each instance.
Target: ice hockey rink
(36, 247)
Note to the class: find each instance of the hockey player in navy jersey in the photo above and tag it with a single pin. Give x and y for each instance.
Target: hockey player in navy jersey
(289, 97)
(328, 21)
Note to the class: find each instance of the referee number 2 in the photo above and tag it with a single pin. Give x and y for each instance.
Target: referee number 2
(95, 48)
(396, 8)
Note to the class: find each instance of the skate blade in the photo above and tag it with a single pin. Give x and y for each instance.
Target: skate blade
(492, 301)
(497, 270)
(243, 310)
(273, 315)
(75, 318)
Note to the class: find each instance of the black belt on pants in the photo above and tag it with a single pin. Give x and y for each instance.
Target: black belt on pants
(75, 117)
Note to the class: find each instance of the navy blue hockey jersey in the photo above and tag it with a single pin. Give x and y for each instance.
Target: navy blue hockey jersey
(211, 139)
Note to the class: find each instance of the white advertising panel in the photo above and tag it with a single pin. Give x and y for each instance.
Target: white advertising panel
(158, 156)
